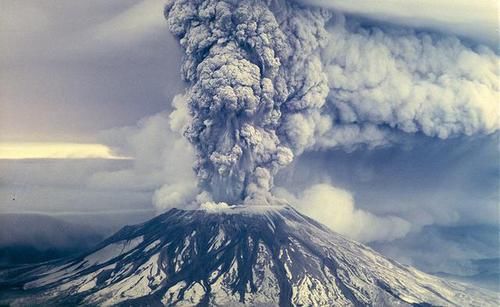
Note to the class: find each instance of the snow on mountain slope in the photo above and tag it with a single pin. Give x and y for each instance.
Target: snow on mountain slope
(257, 256)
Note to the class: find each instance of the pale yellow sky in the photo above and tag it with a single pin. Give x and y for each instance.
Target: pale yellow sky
(33, 150)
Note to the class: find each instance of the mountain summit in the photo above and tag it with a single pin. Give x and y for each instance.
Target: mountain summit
(231, 256)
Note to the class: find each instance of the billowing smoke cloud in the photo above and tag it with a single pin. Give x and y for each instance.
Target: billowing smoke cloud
(251, 71)
(336, 209)
(271, 79)
(385, 82)
(414, 82)
(162, 159)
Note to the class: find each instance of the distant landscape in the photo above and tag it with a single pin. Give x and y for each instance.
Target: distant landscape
(55, 236)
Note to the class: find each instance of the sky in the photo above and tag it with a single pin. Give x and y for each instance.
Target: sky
(475, 20)
(86, 94)
(71, 70)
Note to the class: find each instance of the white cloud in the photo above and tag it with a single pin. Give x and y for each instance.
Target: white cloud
(335, 208)
(175, 195)
(163, 159)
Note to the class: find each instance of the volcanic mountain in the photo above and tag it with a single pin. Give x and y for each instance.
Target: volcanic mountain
(232, 256)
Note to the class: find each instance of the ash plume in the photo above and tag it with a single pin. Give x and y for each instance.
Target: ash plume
(271, 79)
(411, 81)
(251, 65)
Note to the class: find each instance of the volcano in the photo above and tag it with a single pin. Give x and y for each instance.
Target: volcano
(232, 256)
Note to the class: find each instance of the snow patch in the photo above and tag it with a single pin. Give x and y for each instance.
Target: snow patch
(213, 207)
(111, 251)
(152, 245)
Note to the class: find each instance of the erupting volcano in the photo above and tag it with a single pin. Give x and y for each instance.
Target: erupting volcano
(232, 256)
(266, 81)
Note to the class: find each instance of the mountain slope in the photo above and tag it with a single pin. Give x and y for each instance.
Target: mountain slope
(269, 255)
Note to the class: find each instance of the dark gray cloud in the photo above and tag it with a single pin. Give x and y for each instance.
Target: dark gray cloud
(425, 180)
(468, 253)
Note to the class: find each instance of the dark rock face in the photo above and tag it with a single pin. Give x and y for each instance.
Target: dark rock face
(258, 256)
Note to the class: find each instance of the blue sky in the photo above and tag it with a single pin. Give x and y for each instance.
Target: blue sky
(106, 73)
